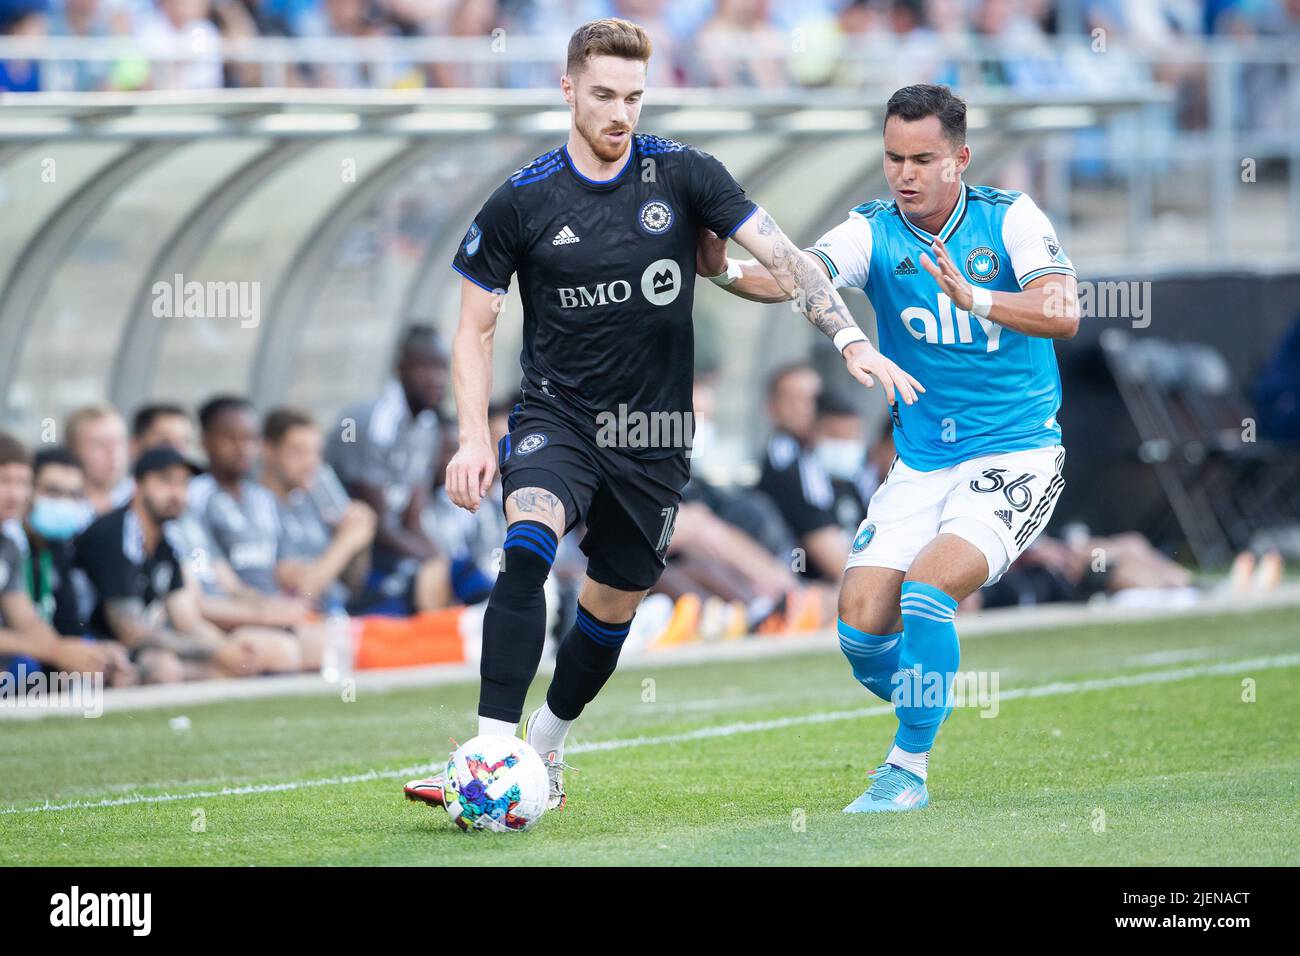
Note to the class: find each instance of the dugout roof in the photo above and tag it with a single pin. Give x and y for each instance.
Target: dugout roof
(340, 212)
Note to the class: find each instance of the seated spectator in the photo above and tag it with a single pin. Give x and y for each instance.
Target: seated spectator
(244, 20)
(740, 25)
(838, 443)
(55, 604)
(29, 19)
(96, 434)
(88, 20)
(142, 601)
(793, 476)
(319, 550)
(238, 515)
(223, 598)
(716, 483)
(161, 423)
(348, 19)
(472, 540)
(15, 488)
(181, 25)
(27, 642)
(383, 451)
(1277, 389)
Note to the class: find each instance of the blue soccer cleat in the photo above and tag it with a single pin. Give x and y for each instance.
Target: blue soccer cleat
(892, 790)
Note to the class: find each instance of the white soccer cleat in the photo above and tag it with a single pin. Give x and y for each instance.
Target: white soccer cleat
(555, 767)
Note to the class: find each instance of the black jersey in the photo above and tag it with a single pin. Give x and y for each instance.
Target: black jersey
(607, 277)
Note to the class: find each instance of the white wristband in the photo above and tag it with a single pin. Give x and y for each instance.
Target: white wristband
(731, 275)
(846, 337)
(980, 302)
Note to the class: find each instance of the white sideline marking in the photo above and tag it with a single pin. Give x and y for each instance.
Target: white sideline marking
(1056, 688)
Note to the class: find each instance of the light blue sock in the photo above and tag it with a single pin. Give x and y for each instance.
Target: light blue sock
(873, 657)
(929, 648)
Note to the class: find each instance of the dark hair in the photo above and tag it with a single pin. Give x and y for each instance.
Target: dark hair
(779, 373)
(608, 37)
(281, 420)
(215, 407)
(146, 415)
(831, 404)
(12, 451)
(419, 338)
(58, 455)
(912, 103)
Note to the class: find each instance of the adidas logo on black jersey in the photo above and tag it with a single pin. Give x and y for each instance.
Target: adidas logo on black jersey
(1005, 515)
(905, 268)
(564, 237)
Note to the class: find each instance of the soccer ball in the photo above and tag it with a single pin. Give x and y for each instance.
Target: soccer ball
(495, 783)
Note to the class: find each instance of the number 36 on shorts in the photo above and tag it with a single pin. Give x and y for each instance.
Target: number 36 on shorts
(1000, 503)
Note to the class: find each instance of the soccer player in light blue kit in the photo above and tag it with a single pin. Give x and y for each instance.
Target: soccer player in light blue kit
(970, 285)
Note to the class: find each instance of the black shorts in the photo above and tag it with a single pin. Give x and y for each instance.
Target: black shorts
(628, 504)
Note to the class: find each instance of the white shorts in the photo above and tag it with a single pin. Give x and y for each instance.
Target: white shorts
(999, 503)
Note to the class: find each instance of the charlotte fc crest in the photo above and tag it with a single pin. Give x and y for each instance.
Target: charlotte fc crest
(983, 264)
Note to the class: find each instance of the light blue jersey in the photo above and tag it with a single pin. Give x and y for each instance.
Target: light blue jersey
(989, 389)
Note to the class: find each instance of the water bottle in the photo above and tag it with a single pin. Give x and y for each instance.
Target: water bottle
(338, 655)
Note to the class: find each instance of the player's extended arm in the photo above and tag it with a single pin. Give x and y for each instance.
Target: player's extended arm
(471, 469)
(749, 279)
(804, 281)
(1047, 308)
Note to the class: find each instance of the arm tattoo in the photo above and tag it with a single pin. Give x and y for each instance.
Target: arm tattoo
(821, 305)
(132, 625)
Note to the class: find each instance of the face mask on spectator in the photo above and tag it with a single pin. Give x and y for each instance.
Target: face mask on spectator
(841, 457)
(57, 519)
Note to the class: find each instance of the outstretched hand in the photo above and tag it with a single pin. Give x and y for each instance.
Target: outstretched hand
(866, 364)
(949, 277)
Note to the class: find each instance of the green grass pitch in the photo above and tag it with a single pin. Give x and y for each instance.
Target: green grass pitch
(1118, 745)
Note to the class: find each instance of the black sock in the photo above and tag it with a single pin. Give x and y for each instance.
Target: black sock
(586, 659)
(514, 624)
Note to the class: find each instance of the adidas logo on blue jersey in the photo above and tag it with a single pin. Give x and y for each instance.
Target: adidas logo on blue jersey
(905, 268)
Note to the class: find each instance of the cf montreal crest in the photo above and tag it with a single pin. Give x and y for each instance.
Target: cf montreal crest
(656, 216)
(530, 444)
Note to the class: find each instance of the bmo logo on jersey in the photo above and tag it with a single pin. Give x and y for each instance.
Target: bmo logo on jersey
(951, 327)
(661, 283)
(603, 293)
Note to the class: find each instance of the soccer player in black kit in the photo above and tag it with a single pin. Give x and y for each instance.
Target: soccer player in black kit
(602, 233)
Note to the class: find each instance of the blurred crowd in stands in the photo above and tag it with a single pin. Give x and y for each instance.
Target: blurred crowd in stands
(233, 541)
(696, 41)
